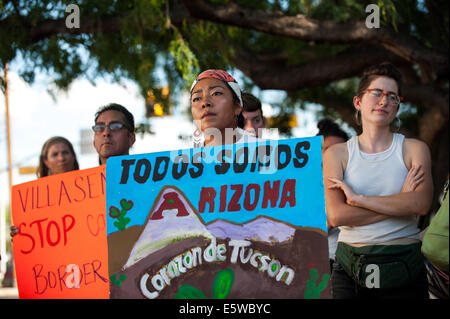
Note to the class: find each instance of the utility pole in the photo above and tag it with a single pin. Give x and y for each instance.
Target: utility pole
(8, 129)
(3, 230)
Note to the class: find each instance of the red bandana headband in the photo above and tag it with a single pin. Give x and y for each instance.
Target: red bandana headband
(222, 76)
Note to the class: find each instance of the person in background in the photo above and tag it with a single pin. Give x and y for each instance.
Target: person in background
(332, 134)
(376, 184)
(435, 248)
(57, 156)
(216, 106)
(113, 131)
(254, 121)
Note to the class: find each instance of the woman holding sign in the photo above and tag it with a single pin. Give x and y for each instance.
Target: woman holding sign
(216, 106)
(375, 186)
(57, 156)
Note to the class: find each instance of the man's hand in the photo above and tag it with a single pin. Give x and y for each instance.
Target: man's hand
(14, 230)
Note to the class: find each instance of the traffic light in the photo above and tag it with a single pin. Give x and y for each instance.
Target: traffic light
(157, 102)
(26, 170)
(284, 122)
(288, 120)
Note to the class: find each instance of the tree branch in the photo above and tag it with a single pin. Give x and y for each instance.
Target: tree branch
(430, 124)
(314, 73)
(48, 28)
(428, 96)
(302, 28)
(21, 18)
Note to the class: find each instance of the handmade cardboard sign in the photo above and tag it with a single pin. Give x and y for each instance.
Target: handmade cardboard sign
(233, 221)
(61, 249)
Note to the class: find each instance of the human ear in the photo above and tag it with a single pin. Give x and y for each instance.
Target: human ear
(237, 109)
(132, 138)
(357, 102)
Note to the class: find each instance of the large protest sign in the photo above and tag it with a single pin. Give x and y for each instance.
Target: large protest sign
(232, 221)
(61, 250)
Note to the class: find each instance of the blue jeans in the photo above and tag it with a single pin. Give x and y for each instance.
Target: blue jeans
(344, 287)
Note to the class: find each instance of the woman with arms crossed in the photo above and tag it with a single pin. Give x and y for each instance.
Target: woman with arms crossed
(375, 186)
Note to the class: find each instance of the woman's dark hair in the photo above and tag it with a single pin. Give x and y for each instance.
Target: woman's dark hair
(42, 169)
(373, 72)
(327, 127)
(129, 119)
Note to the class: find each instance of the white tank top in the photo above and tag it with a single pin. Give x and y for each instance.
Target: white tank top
(379, 174)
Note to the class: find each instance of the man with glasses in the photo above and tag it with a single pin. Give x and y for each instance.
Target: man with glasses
(113, 131)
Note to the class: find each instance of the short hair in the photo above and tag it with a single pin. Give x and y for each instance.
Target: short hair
(129, 119)
(373, 72)
(327, 127)
(251, 103)
(42, 169)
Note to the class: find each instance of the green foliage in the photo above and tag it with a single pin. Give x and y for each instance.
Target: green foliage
(147, 40)
(388, 12)
(203, 34)
(185, 60)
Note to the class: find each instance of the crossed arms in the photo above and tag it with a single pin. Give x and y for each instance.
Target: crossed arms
(347, 208)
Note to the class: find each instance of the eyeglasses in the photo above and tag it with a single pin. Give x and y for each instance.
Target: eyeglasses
(113, 126)
(379, 94)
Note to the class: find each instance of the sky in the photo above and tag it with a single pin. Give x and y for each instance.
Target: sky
(35, 116)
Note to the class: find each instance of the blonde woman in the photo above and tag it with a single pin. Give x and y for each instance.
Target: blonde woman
(57, 156)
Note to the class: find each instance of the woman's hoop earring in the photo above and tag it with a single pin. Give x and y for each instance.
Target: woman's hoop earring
(197, 138)
(357, 120)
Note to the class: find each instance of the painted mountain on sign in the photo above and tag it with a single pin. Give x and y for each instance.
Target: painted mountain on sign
(171, 219)
(260, 229)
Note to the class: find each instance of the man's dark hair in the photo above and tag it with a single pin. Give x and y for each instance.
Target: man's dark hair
(327, 127)
(129, 119)
(251, 103)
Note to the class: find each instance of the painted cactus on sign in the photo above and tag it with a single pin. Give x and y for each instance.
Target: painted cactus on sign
(222, 285)
(122, 221)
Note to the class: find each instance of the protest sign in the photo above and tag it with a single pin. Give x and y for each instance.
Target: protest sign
(232, 221)
(61, 249)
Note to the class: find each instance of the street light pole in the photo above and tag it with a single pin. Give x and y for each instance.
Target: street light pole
(8, 128)
(3, 230)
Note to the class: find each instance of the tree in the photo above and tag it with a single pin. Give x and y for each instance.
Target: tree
(313, 50)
